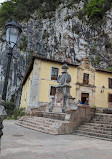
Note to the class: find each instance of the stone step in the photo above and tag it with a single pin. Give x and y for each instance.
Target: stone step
(96, 130)
(48, 131)
(101, 118)
(57, 116)
(90, 136)
(94, 134)
(102, 122)
(51, 115)
(40, 126)
(44, 123)
(38, 122)
(95, 127)
(103, 114)
(32, 125)
(50, 121)
(35, 124)
(99, 125)
(50, 126)
(38, 119)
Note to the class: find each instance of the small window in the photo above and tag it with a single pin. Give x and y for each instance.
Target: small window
(110, 98)
(52, 91)
(110, 82)
(54, 74)
(86, 78)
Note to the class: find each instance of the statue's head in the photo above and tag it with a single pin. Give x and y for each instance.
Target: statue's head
(64, 68)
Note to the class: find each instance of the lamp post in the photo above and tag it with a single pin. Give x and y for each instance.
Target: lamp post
(13, 31)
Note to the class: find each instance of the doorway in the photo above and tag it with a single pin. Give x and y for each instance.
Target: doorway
(84, 98)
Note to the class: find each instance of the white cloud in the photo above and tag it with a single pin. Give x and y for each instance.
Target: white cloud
(1, 1)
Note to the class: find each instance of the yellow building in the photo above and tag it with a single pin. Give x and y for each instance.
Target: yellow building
(88, 84)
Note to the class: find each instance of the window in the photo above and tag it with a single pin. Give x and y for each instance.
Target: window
(110, 82)
(86, 78)
(110, 98)
(54, 74)
(52, 91)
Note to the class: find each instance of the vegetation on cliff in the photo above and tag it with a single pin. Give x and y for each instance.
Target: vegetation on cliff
(22, 9)
(97, 8)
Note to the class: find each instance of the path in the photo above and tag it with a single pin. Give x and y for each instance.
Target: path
(22, 143)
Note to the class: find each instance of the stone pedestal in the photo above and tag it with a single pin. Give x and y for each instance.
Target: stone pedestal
(58, 100)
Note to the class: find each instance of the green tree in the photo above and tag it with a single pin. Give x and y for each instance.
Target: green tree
(97, 8)
(23, 9)
(94, 8)
(6, 11)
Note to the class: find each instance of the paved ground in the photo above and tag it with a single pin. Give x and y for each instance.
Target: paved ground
(22, 143)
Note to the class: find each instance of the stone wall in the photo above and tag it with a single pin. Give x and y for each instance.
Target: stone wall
(35, 84)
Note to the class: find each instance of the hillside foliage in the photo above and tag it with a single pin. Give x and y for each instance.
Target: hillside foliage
(109, 69)
(97, 8)
(22, 9)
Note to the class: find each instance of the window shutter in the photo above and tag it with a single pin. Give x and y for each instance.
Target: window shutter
(110, 82)
(110, 98)
(85, 78)
(53, 91)
(54, 74)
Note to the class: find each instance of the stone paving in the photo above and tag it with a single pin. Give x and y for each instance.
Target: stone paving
(22, 143)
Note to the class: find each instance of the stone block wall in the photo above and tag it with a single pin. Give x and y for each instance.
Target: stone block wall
(35, 85)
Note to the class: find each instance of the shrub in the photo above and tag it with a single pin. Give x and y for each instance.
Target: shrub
(10, 106)
(94, 106)
(19, 113)
(22, 9)
(109, 69)
(97, 8)
(13, 112)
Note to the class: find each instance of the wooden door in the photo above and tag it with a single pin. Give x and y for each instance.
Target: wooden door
(84, 98)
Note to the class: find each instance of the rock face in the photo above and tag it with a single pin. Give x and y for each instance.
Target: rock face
(18, 67)
(65, 35)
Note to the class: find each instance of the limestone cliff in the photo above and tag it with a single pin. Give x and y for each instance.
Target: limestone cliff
(63, 34)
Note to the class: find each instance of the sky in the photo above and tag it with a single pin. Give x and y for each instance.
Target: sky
(1, 1)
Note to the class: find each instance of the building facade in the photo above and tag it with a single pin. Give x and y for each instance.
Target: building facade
(88, 84)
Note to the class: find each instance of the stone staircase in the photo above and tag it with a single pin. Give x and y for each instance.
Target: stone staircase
(45, 125)
(99, 127)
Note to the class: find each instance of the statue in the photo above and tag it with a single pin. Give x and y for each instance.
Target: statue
(65, 78)
(62, 101)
